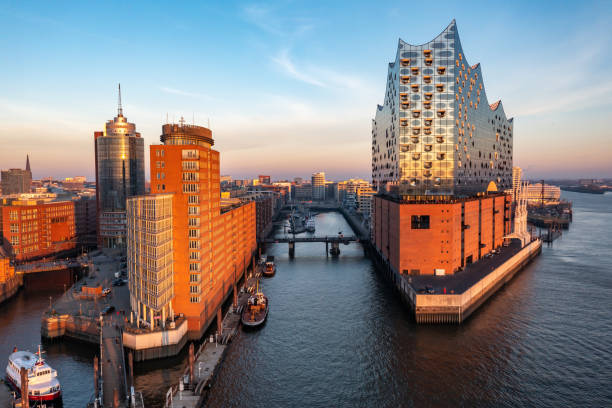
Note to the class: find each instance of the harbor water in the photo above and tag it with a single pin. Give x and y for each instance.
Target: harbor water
(337, 334)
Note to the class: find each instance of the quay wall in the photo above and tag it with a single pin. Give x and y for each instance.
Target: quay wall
(158, 344)
(9, 288)
(455, 308)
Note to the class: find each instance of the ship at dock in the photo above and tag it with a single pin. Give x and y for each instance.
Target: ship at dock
(269, 267)
(256, 310)
(42, 382)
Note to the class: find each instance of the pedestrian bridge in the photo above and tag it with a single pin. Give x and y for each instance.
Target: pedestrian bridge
(334, 240)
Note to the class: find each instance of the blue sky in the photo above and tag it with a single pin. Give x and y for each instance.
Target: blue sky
(290, 87)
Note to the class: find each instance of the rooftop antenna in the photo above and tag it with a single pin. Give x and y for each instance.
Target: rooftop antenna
(120, 109)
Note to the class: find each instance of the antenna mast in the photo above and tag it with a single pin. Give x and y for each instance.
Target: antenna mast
(120, 108)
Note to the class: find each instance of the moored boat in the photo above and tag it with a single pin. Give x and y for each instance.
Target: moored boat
(310, 225)
(256, 310)
(43, 384)
(269, 268)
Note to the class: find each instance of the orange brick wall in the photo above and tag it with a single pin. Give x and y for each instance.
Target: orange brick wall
(42, 229)
(227, 240)
(411, 251)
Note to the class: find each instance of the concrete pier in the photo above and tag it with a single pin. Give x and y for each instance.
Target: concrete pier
(453, 298)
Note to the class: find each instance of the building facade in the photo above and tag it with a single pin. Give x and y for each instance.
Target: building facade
(318, 186)
(33, 229)
(436, 132)
(119, 151)
(16, 181)
(211, 246)
(441, 159)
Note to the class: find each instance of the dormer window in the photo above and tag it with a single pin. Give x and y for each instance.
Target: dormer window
(440, 87)
(428, 61)
(405, 62)
(427, 53)
(441, 113)
(441, 70)
(427, 79)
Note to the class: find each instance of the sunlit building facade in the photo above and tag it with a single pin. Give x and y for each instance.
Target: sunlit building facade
(318, 186)
(119, 153)
(436, 132)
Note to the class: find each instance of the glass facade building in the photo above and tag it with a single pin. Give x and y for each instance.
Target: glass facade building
(436, 133)
(119, 175)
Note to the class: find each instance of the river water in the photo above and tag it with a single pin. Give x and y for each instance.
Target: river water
(337, 335)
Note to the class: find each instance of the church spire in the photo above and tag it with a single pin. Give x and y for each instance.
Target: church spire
(28, 163)
(120, 108)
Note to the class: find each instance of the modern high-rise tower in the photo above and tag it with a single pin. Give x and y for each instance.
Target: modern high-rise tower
(119, 153)
(318, 186)
(436, 133)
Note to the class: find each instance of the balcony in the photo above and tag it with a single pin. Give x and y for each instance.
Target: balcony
(405, 79)
(441, 156)
(441, 70)
(428, 148)
(427, 131)
(441, 113)
(404, 148)
(427, 79)
(404, 96)
(427, 173)
(428, 121)
(416, 113)
(427, 165)
(403, 122)
(415, 87)
(405, 62)
(405, 105)
(416, 156)
(428, 96)
(427, 53)
(427, 105)
(428, 61)
(414, 139)
(440, 87)
(415, 70)
(416, 131)
(440, 139)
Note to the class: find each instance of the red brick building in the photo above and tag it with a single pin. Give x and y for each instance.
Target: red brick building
(33, 229)
(422, 235)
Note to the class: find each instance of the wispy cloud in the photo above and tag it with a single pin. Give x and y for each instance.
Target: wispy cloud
(284, 62)
(180, 92)
(317, 75)
(266, 19)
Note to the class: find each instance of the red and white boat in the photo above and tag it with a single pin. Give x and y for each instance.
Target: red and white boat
(43, 384)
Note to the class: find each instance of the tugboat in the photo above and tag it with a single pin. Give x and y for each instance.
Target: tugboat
(269, 268)
(43, 384)
(256, 310)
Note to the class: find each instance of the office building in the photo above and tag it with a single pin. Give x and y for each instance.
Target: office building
(34, 229)
(211, 244)
(16, 181)
(264, 179)
(318, 186)
(119, 153)
(437, 133)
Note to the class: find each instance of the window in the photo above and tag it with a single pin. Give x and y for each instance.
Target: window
(193, 199)
(15, 228)
(190, 154)
(420, 222)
